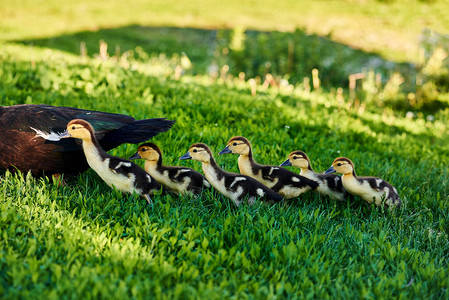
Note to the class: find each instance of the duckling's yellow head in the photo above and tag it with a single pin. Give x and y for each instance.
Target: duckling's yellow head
(341, 165)
(297, 159)
(199, 152)
(79, 129)
(237, 145)
(149, 152)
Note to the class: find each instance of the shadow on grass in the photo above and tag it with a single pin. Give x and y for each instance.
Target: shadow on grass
(292, 55)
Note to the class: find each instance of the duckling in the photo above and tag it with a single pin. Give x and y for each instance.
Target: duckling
(281, 181)
(29, 139)
(231, 185)
(115, 171)
(371, 189)
(177, 179)
(329, 184)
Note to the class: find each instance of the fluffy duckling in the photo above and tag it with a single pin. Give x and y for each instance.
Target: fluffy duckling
(233, 186)
(115, 171)
(177, 179)
(329, 184)
(281, 181)
(371, 189)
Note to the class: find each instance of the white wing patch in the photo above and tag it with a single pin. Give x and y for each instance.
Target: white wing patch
(149, 178)
(237, 179)
(272, 169)
(52, 136)
(180, 172)
(260, 192)
(126, 164)
(295, 179)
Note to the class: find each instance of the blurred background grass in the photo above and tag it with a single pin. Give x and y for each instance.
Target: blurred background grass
(387, 27)
(396, 50)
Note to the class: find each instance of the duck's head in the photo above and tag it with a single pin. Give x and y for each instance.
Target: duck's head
(237, 145)
(341, 165)
(297, 159)
(148, 151)
(78, 129)
(199, 152)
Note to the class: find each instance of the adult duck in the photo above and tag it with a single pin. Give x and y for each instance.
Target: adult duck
(29, 138)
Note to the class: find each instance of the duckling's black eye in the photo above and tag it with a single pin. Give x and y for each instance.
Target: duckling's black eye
(235, 144)
(144, 149)
(73, 127)
(295, 157)
(339, 164)
(194, 150)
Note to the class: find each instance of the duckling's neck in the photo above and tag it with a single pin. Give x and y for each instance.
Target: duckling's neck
(93, 151)
(306, 171)
(349, 176)
(211, 169)
(245, 161)
(153, 165)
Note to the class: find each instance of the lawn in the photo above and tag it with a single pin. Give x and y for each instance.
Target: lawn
(86, 240)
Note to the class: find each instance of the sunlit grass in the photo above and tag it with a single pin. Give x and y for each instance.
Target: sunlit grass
(85, 240)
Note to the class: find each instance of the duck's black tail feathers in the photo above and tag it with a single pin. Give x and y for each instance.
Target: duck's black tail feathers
(136, 132)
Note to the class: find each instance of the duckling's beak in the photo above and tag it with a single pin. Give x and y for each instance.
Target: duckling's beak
(135, 156)
(286, 163)
(225, 150)
(65, 135)
(186, 156)
(330, 170)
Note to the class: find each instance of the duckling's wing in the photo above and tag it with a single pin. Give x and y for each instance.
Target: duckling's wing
(381, 185)
(120, 165)
(178, 174)
(332, 181)
(142, 180)
(287, 177)
(270, 173)
(258, 189)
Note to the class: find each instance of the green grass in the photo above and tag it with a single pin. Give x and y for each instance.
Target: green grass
(390, 28)
(87, 240)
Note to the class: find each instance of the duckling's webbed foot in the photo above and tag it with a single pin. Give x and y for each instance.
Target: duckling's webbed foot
(251, 201)
(150, 202)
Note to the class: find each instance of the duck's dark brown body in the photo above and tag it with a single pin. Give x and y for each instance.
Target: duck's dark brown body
(21, 149)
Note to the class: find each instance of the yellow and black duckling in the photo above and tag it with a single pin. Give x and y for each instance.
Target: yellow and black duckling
(115, 171)
(181, 180)
(29, 139)
(280, 180)
(371, 189)
(231, 185)
(329, 184)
